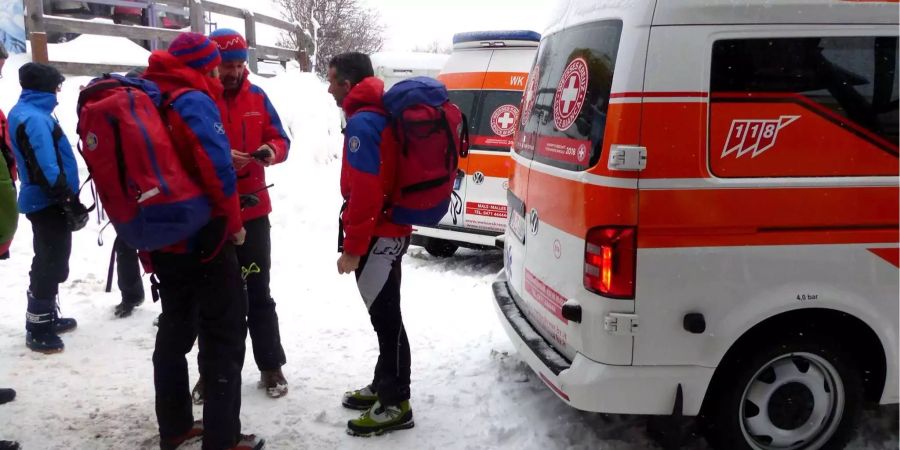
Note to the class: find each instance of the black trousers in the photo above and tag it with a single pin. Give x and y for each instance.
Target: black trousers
(52, 247)
(206, 299)
(128, 272)
(378, 279)
(255, 258)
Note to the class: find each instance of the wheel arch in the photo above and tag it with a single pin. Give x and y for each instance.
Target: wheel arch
(865, 344)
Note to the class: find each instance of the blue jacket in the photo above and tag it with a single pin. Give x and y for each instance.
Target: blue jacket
(47, 168)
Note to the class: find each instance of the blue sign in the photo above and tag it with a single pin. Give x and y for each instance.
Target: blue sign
(12, 25)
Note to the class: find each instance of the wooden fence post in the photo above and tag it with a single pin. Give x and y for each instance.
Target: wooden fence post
(250, 36)
(198, 19)
(37, 31)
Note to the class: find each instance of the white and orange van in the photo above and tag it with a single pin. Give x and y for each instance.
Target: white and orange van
(486, 74)
(703, 214)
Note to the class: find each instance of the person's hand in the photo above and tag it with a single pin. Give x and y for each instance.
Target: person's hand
(264, 155)
(239, 237)
(240, 159)
(75, 213)
(347, 263)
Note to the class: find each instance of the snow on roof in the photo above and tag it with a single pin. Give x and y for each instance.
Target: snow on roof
(89, 48)
(409, 60)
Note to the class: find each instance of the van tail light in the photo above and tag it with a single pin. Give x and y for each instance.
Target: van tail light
(610, 255)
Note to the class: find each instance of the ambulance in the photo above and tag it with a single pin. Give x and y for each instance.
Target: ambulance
(485, 75)
(703, 215)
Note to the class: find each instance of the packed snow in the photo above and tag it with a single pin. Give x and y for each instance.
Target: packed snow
(470, 391)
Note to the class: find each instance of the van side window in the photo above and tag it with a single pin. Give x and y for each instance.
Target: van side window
(567, 96)
(496, 120)
(804, 107)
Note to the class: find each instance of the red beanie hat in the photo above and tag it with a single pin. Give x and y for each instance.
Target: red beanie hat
(196, 51)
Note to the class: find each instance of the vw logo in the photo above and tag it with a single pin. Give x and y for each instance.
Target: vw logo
(478, 178)
(533, 221)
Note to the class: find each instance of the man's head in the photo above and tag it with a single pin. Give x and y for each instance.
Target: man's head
(197, 52)
(233, 48)
(40, 77)
(3, 55)
(345, 71)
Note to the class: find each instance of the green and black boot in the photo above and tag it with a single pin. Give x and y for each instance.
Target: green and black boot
(361, 399)
(381, 419)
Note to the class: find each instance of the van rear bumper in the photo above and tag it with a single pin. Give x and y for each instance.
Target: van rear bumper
(460, 236)
(592, 386)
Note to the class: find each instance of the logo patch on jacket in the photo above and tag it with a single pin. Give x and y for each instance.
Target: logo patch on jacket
(219, 127)
(354, 144)
(91, 141)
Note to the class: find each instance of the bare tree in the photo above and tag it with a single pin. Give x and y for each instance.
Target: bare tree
(434, 47)
(343, 26)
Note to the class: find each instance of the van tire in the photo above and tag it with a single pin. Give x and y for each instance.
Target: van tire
(440, 248)
(727, 416)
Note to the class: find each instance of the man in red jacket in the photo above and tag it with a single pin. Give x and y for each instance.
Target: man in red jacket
(257, 141)
(199, 280)
(372, 246)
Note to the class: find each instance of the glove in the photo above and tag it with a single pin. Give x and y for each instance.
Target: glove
(75, 213)
(249, 201)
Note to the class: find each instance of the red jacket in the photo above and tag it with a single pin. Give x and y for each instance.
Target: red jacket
(6, 148)
(199, 135)
(251, 122)
(367, 169)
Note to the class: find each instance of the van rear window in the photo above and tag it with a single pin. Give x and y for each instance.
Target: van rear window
(496, 120)
(567, 97)
(804, 107)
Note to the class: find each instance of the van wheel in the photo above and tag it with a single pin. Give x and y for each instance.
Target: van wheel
(804, 392)
(440, 248)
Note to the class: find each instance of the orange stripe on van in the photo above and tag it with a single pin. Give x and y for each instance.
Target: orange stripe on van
(775, 216)
(575, 207)
(891, 255)
(497, 164)
(503, 81)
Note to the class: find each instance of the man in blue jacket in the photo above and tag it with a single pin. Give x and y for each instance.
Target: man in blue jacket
(48, 197)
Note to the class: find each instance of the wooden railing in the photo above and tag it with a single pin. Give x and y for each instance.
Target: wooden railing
(38, 24)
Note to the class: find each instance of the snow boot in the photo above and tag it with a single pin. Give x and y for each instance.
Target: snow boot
(274, 382)
(126, 307)
(9, 445)
(382, 419)
(189, 437)
(197, 393)
(7, 395)
(40, 334)
(250, 442)
(64, 324)
(361, 399)
(61, 324)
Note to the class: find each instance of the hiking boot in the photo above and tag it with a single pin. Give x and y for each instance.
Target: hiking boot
(250, 442)
(7, 395)
(360, 399)
(191, 436)
(126, 307)
(44, 342)
(381, 419)
(197, 393)
(274, 382)
(9, 445)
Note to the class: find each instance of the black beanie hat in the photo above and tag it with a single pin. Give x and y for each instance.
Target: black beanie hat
(40, 77)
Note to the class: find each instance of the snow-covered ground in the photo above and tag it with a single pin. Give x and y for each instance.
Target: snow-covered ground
(469, 389)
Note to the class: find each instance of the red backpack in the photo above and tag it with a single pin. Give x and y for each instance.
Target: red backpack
(433, 134)
(146, 192)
